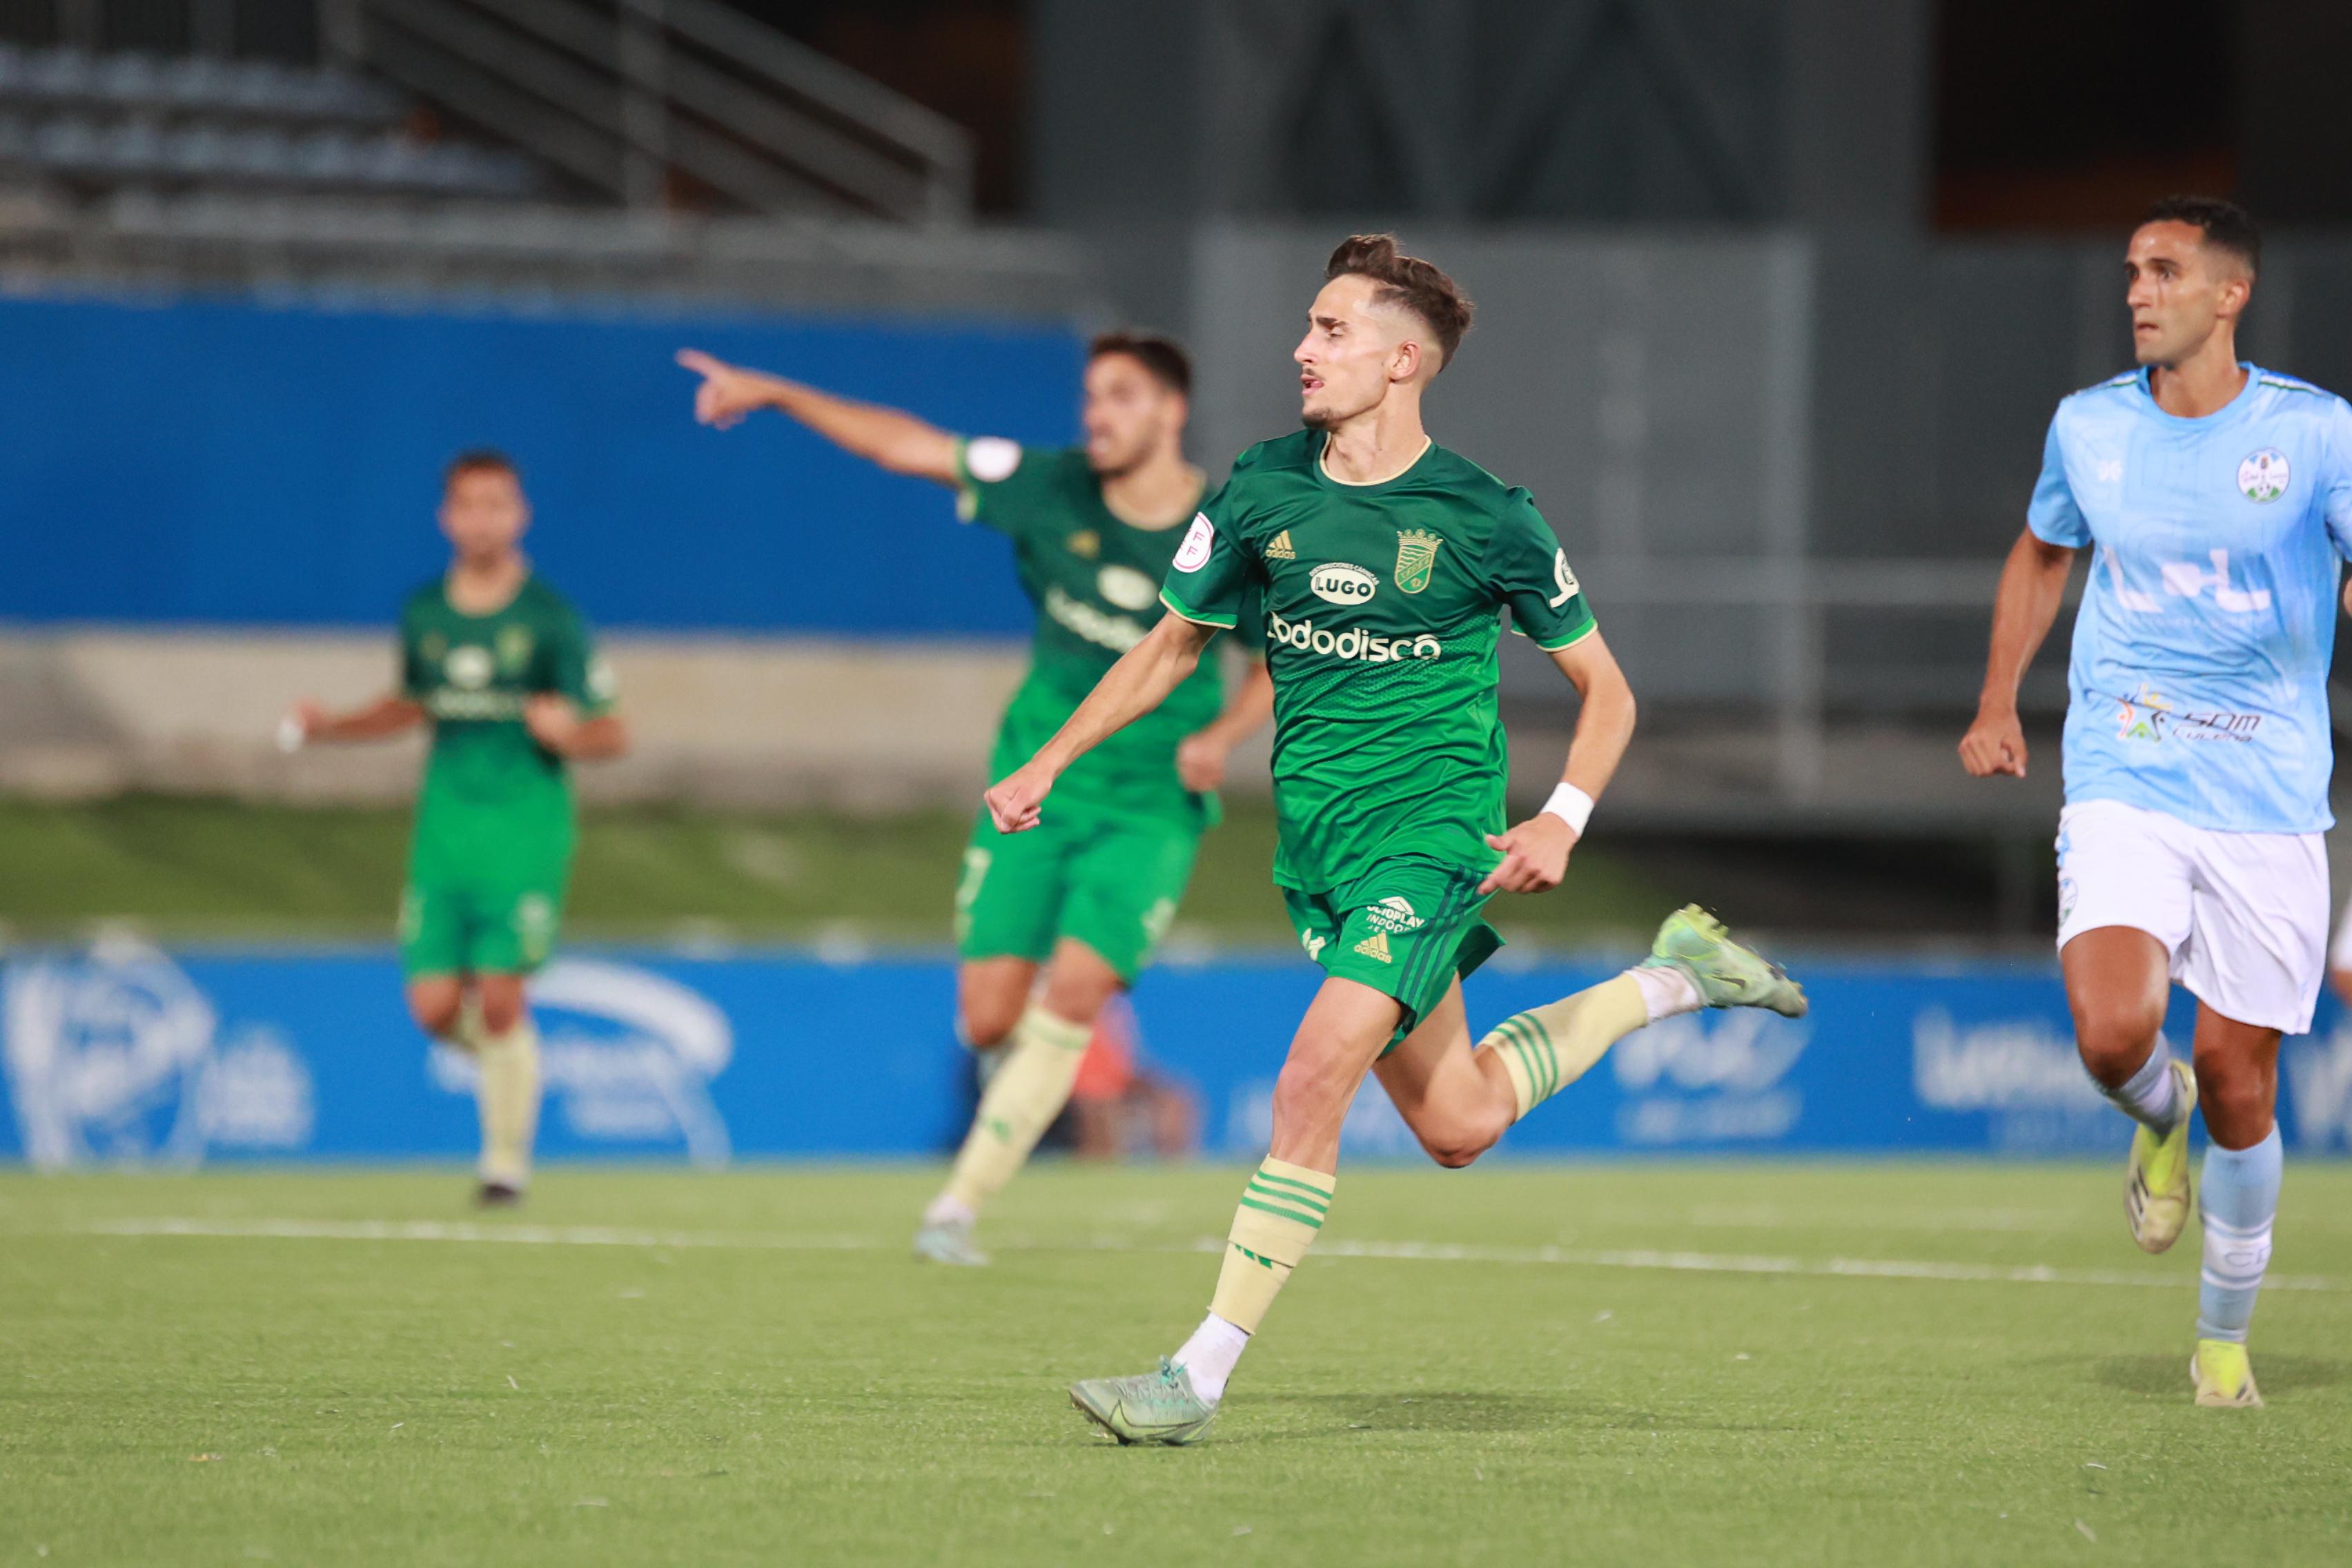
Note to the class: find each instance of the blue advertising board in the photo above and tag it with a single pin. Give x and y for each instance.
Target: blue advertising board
(125, 1053)
(231, 463)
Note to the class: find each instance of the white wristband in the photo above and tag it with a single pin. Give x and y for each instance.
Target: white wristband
(1571, 806)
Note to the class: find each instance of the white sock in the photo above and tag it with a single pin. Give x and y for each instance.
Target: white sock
(948, 1209)
(1209, 1354)
(1666, 990)
(2151, 1096)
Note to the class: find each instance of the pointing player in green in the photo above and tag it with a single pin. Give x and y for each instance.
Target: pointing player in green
(1093, 532)
(1384, 561)
(502, 667)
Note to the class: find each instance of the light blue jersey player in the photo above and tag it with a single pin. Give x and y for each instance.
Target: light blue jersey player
(2216, 500)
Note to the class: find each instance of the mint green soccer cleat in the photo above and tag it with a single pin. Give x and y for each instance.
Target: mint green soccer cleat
(2156, 1177)
(1727, 975)
(1150, 1407)
(949, 1242)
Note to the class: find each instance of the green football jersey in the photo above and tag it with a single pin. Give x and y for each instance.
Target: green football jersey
(1382, 608)
(1095, 581)
(473, 675)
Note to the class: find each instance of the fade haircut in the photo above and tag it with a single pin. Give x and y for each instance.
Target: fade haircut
(479, 460)
(1164, 357)
(1407, 281)
(2225, 225)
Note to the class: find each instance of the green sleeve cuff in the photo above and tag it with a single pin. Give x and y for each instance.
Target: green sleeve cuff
(1198, 617)
(1571, 639)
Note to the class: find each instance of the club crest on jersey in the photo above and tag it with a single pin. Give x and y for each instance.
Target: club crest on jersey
(514, 648)
(1417, 559)
(1342, 583)
(2265, 475)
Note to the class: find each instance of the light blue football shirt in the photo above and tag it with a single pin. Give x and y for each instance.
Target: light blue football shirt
(2198, 686)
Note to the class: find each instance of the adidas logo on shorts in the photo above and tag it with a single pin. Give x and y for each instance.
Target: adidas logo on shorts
(1376, 946)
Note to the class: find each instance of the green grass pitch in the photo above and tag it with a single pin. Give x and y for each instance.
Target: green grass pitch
(1636, 1363)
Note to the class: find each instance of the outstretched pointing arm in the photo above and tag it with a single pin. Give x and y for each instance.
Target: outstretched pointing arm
(1139, 682)
(886, 437)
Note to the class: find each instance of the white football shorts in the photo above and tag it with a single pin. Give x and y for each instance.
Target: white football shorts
(2242, 916)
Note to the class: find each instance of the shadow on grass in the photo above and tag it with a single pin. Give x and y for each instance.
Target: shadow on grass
(2167, 1374)
(1333, 1415)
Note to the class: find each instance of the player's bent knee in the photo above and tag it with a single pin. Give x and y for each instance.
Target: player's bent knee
(434, 1004)
(2115, 1041)
(1455, 1155)
(2235, 1097)
(503, 1002)
(1457, 1144)
(986, 1026)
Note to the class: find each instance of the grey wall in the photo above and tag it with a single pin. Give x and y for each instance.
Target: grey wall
(1785, 462)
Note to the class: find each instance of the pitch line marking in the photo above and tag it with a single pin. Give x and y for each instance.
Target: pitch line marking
(1404, 1252)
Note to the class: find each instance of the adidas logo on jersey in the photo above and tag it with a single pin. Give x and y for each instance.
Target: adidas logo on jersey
(1280, 549)
(1376, 946)
(1353, 643)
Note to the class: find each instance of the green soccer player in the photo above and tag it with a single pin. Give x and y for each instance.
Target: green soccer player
(503, 669)
(1052, 925)
(1384, 561)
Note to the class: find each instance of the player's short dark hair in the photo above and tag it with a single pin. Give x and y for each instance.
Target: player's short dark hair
(2226, 225)
(477, 460)
(1164, 357)
(1408, 281)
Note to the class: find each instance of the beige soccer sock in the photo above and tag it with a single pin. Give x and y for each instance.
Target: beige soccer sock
(465, 1033)
(1021, 1101)
(1546, 1048)
(507, 1096)
(1281, 1211)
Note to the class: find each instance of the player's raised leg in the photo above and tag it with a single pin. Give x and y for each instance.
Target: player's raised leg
(1460, 1100)
(1282, 1210)
(2118, 984)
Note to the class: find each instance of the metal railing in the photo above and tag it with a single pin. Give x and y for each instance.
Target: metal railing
(650, 103)
(659, 102)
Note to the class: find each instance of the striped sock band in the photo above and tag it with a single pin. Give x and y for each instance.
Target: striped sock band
(2237, 1196)
(1281, 1211)
(1546, 1048)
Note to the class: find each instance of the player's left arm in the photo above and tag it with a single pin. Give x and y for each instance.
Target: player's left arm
(1529, 573)
(576, 717)
(1535, 852)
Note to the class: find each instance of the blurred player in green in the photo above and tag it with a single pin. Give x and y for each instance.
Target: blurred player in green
(1382, 564)
(1053, 925)
(503, 669)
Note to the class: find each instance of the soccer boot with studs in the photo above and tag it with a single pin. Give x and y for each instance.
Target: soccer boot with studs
(2224, 1378)
(1727, 974)
(1150, 1407)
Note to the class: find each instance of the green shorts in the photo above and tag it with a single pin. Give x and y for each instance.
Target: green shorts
(1111, 885)
(455, 929)
(1406, 928)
